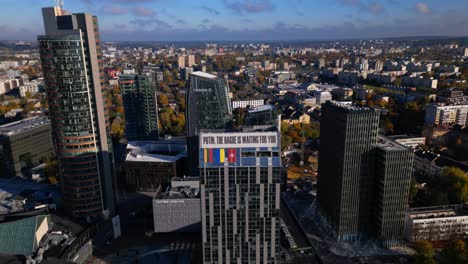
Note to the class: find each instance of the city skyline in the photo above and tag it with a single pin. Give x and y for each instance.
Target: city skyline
(228, 20)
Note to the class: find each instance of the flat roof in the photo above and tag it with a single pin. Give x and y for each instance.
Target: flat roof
(388, 144)
(261, 108)
(23, 125)
(204, 75)
(156, 151)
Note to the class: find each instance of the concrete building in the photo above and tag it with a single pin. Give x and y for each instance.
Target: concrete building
(208, 107)
(140, 106)
(5, 65)
(24, 144)
(348, 135)
(191, 60)
(244, 104)
(150, 164)
(437, 223)
(409, 141)
(452, 96)
(380, 78)
(178, 208)
(71, 54)
(419, 82)
(439, 114)
(181, 62)
(393, 170)
(29, 87)
(466, 52)
(240, 196)
(265, 115)
(322, 97)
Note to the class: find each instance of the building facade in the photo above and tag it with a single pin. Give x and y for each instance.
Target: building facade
(244, 104)
(348, 135)
(240, 196)
(437, 223)
(446, 115)
(393, 170)
(208, 107)
(150, 164)
(71, 60)
(140, 106)
(25, 144)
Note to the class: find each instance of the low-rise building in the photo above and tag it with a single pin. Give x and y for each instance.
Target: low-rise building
(440, 114)
(420, 82)
(178, 208)
(149, 164)
(245, 103)
(24, 144)
(409, 141)
(437, 223)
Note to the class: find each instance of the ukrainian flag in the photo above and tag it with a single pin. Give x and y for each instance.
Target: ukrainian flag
(222, 155)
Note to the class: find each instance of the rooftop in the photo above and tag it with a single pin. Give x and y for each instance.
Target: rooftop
(204, 75)
(23, 125)
(261, 108)
(156, 151)
(388, 144)
(438, 211)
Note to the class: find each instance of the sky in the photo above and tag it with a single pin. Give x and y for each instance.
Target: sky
(231, 20)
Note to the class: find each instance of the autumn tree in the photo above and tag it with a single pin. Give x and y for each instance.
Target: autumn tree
(424, 253)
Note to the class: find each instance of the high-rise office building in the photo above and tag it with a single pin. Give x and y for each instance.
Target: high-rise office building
(140, 105)
(393, 170)
(348, 135)
(240, 180)
(208, 107)
(71, 60)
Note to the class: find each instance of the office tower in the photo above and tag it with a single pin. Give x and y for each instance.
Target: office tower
(191, 60)
(181, 62)
(348, 135)
(240, 196)
(208, 107)
(393, 169)
(23, 145)
(71, 60)
(140, 105)
(466, 52)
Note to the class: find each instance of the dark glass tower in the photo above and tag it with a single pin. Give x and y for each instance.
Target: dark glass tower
(71, 60)
(208, 107)
(140, 104)
(393, 169)
(240, 183)
(348, 135)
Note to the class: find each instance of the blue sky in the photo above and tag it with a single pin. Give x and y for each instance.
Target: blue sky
(176, 20)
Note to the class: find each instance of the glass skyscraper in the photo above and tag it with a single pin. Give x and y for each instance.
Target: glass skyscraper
(364, 178)
(240, 184)
(348, 135)
(208, 107)
(140, 104)
(71, 60)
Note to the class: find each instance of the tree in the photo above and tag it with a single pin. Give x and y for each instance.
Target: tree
(424, 253)
(455, 253)
(458, 185)
(162, 100)
(51, 170)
